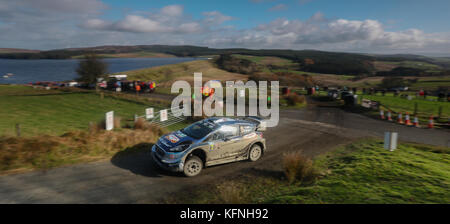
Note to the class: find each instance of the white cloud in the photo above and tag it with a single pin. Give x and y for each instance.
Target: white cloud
(172, 10)
(215, 17)
(170, 19)
(339, 34)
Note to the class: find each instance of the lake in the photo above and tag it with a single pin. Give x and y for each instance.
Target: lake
(26, 71)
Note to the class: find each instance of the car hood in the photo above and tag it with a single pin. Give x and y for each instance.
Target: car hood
(174, 139)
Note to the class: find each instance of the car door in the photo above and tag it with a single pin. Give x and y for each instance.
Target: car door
(248, 135)
(215, 142)
(230, 144)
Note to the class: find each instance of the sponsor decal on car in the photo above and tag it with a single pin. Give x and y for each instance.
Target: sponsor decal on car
(180, 134)
(172, 138)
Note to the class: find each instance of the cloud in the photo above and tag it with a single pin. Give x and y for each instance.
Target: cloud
(321, 33)
(169, 19)
(131, 23)
(215, 17)
(172, 10)
(279, 7)
(51, 24)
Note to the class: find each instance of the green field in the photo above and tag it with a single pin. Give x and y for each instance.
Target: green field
(55, 112)
(416, 64)
(425, 108)
(362, 172)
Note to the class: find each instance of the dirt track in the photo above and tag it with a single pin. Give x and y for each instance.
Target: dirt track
(132, 178)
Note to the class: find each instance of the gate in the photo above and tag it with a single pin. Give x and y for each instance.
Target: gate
(163, 117)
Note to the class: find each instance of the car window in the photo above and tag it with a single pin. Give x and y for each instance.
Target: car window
(229, 131)
(217, 136)
(199, 129)
(246, 129)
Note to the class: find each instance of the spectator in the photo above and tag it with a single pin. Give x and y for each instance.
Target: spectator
(138, 87)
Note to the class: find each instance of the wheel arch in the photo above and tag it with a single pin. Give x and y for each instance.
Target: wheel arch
(260, 144)
(200, 153)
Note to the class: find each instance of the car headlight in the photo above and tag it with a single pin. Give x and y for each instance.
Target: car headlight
(179, 148)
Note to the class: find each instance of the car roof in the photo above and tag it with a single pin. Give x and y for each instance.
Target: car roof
(228, 121)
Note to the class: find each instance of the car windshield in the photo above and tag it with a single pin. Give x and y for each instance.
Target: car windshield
(200, 129)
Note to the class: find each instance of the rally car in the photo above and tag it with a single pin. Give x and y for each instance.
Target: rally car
(209, 142)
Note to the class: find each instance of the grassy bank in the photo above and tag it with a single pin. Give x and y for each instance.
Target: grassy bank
(45, 151)
(425, 108)
(166, 74)
(362, 172)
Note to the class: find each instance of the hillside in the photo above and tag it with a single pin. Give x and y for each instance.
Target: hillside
(165, 75)
(337, 63)
(17, 50)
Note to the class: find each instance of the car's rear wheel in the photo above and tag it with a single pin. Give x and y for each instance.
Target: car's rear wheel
(255, 153)
(193, 166)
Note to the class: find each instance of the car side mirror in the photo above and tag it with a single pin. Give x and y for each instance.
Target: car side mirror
(226, 139)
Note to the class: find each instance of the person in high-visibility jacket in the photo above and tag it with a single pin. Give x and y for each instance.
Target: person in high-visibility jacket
(138, 87)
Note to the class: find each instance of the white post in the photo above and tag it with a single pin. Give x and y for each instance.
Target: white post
(242, 93)
(109, 121)
(393, 145)
(390, 140)
(149, 113)
(163, 115)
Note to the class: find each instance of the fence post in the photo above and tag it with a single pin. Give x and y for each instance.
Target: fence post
(135, 117)
(109, 121)
(18, 130)
(440, 112)
(390, 140)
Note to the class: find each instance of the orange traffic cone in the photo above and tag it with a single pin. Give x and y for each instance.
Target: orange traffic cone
(416, 122)
(389, 116)
(382, 114)
(407, 120)
(431, 122)
(400, 118)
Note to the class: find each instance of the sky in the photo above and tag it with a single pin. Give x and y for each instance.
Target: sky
(365, 26)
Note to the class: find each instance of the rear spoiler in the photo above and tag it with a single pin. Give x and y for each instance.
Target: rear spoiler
(260, 122)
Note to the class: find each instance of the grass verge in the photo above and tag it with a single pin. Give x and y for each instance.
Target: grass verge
(361, 172)
(43, 152)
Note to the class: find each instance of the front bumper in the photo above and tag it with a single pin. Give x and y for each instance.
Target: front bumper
(173, 167)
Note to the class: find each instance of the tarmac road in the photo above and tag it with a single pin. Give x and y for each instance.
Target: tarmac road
(133, 178)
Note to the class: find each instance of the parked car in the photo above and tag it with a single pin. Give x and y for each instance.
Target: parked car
(209, 142)
(334, 94)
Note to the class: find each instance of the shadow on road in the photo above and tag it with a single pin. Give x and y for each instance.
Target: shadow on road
(275, 174)
(138, 160)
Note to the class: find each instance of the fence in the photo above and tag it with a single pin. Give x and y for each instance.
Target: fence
(163, 117)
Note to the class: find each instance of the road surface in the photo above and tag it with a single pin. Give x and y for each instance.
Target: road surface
(133, 178)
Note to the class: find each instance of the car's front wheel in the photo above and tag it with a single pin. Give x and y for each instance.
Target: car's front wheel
(255, 153)
(193, 166)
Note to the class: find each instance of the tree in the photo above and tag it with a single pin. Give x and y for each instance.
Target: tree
(90, 68)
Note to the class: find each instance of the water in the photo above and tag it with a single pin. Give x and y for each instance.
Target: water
(26, 71)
